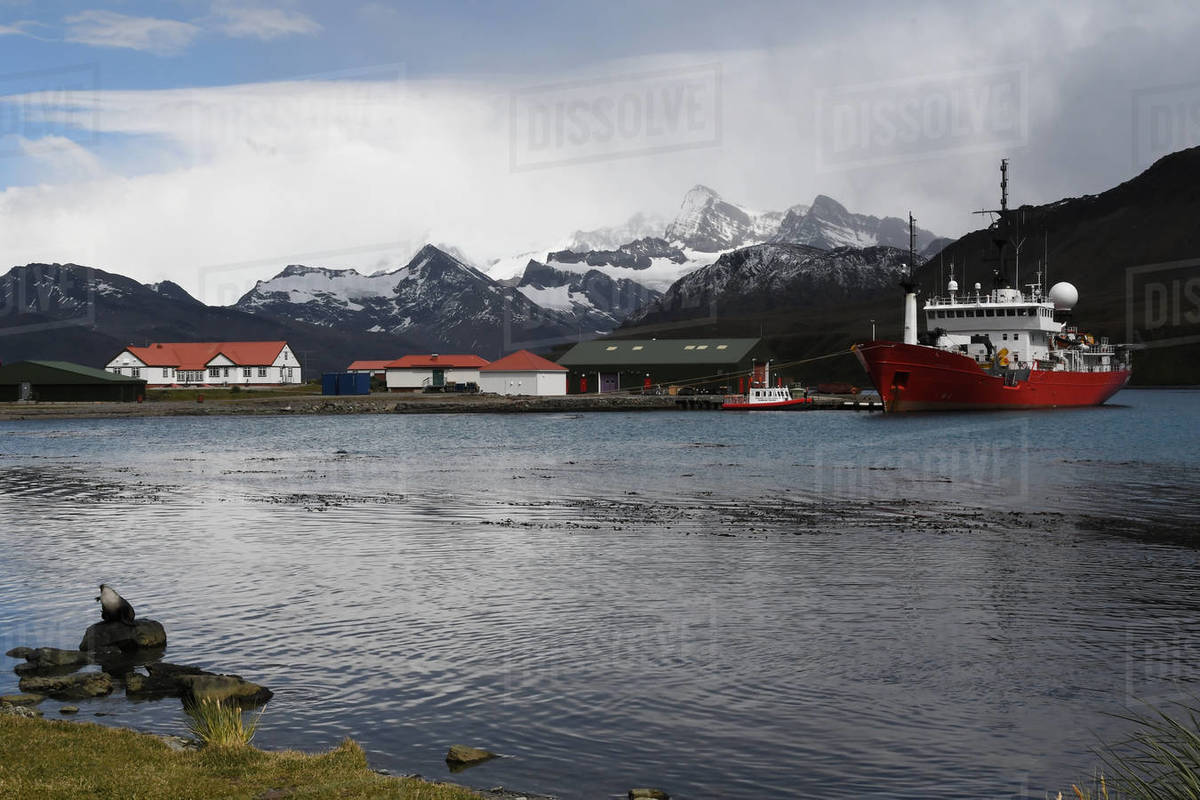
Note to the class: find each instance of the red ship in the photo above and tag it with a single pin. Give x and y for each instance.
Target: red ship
(993, 350)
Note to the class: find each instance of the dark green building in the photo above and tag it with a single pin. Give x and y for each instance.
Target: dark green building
(62, 381)
(609, 365)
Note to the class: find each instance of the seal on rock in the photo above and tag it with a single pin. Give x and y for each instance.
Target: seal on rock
(113, 607)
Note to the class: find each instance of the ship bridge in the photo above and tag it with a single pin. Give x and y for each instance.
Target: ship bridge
(1017, 329)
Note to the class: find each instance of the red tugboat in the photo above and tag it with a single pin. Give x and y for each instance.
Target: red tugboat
(761, 396)
(993, 350)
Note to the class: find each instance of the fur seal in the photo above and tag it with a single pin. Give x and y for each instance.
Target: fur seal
(113, 607)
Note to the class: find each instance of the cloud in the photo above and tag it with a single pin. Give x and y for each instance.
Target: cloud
(24, 27)
(263, 23)
(65, 161)
(363, 169)
(100, 28)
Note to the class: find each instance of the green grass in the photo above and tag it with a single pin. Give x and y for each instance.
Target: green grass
(212, 394)
(55, 759)
(219, 725)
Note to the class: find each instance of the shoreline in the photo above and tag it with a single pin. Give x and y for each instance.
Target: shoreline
(374, 781)
(340, 404)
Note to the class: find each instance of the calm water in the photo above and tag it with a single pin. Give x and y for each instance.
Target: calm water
(768, 605)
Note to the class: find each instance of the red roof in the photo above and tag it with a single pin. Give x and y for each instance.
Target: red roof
(196, 355)
(368, 365)
(437, 360)
(523, 361)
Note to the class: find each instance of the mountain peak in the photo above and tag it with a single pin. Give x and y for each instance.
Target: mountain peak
(823, 203)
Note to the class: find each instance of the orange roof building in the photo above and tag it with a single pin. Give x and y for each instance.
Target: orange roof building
(209, 364)
(524, 373)
(433, 372)
(372, 367)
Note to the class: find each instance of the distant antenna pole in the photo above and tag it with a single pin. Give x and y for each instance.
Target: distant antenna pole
(1003, 185)
(1046, 257)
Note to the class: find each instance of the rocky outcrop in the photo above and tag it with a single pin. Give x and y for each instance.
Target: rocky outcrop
(648, 794)
(23, 699)
(193, 684)
(460, 756)
(79, 686)
(223, 688)
(143, 634)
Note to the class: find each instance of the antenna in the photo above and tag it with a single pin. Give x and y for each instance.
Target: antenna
(1003, 185)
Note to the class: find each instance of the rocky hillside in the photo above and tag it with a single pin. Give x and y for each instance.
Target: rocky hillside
(87, 315)
(766, 277)
(435, 298)
(827, 224)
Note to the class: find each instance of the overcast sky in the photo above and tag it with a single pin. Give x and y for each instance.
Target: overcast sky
(214, 142)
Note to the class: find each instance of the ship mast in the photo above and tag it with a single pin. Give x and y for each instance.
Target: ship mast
(909, 285)
(1003, 227)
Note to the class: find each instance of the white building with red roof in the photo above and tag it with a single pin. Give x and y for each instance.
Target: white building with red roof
(372, 368)
(523, 372)
(209, 364)
(434, 371)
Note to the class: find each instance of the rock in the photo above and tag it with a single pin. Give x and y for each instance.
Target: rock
(197, 688)
(19, 711)
(79, 686)
(143, 634)
(163, 680)
(50, 661)
(23, 699)
(52, 656)
(648, 794)
(69, 710)
(462, 755)
(20, 652)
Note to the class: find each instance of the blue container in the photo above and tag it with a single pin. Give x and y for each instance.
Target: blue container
(362, 383)
(329, 383)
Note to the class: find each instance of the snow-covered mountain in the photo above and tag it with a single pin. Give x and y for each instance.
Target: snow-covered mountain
(598, 301)
(639, 226)
(435, 298)
(827, 224)
(708, 224)
(763, 277)
(651, 262)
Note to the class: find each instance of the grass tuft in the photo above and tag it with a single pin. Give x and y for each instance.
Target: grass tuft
(218, 724)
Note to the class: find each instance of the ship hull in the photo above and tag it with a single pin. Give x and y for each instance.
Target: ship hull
(796, 404)
(918, 378)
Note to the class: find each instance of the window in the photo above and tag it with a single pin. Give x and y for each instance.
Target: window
(245, 372)
(701, 347)
(214, 372)
(289, 369)
(136, 372)
(1016, 336)
(611, 347)
(166, 372)
(1004, 336)
(115, 370)
(225, 372)
(638, 346)
(689, 347)
(722, 347)
(262, 372)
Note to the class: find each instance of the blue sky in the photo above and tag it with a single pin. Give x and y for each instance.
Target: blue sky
(214, 141)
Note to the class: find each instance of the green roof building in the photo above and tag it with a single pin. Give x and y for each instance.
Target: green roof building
(714, 365)
(64, 382)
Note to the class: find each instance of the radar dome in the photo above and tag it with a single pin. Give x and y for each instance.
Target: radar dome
(1064, 296)
(953, 285)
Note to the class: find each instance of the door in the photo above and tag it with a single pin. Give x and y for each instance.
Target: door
(439, 377)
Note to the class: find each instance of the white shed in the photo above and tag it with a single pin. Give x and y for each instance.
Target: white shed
(523, 372)
(415, 373)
